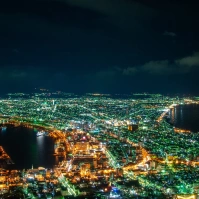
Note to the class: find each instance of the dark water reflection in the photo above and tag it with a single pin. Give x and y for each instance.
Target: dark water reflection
(25, 149)
(186, 117)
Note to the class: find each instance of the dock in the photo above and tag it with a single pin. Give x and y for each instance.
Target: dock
(5, 157)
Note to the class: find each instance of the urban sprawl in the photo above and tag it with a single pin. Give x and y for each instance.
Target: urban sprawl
(111, 147)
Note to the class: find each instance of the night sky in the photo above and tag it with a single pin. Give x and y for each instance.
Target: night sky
(106, 46)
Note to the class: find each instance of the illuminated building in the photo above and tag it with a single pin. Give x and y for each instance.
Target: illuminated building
(120, 172)
(132, 127)
(192, 196)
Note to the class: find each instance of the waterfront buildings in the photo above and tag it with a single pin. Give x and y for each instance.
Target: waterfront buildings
(111, 146)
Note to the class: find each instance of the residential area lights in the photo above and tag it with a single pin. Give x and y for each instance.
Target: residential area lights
(114, 147)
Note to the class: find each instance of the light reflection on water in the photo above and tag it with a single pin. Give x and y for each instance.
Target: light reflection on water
(186, 117)
(25, 149)
(172, 115)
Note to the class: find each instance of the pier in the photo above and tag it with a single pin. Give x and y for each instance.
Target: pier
(5, 157)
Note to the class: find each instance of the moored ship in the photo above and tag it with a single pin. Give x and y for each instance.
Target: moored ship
(40, 133)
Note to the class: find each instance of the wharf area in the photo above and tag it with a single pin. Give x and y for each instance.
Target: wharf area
(4, 157)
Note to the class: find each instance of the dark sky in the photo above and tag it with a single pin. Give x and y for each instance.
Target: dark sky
(107, 46)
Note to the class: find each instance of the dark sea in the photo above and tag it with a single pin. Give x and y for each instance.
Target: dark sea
(185, 117)
(26, 149)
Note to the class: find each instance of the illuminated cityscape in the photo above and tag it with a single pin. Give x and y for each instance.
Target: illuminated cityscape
(109, 147)
(99, 99)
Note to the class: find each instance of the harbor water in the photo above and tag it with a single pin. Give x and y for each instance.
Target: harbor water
(185, 117)
(26, 149)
